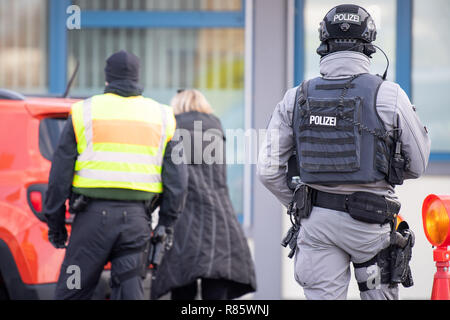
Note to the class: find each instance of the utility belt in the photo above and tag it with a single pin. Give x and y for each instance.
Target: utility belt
(151, 252)
(79, 202)
(362, 206)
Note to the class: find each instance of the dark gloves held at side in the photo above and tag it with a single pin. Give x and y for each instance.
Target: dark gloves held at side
(58, 237)
(57, 232)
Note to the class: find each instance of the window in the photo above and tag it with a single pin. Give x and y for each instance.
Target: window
(50, 130)
(209, 58)
(382, 11)
(431, 70)
(23, 45)
(160, 5)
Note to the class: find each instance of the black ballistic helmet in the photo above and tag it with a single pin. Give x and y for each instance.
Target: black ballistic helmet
(345, 27)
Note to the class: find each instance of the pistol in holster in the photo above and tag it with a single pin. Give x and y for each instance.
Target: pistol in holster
(402, 242)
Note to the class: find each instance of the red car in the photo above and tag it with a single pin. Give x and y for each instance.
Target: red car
(29, 131)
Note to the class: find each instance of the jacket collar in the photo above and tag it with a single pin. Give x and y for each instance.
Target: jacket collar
(344, 64)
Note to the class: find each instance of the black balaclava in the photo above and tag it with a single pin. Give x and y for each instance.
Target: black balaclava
(122, 74)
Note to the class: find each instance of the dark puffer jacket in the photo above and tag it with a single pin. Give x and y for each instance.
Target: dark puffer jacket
(208, 239)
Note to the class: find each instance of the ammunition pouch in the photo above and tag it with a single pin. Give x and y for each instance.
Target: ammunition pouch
(371, 208)
(301, 204)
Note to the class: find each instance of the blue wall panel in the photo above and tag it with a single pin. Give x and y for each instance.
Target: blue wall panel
(299, 34)
(404, 45)
(57, 46)
(159, 19)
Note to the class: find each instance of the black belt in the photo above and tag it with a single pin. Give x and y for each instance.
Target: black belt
(363, 206)
(331, 201)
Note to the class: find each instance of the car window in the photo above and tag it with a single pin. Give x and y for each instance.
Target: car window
(50, 130)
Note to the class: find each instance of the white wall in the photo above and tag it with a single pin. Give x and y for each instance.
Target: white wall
(411, 195)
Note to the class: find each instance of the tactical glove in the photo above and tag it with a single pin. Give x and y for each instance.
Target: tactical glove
(58, 237)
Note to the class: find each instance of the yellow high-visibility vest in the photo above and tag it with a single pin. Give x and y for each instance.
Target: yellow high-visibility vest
(121, 142)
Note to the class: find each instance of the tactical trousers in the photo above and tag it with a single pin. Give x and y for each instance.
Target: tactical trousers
(211, 289)
(115, 231)
(328, 242)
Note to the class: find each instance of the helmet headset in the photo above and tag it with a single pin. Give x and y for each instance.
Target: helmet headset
(348, 27)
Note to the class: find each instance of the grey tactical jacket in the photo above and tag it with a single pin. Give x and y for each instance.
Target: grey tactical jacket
(279, 145)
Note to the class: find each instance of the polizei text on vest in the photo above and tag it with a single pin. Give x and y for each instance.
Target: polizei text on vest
(322, 121)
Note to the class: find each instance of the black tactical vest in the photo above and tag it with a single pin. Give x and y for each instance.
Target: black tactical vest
(339, 136)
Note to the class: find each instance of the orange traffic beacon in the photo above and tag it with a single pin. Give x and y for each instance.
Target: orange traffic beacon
(29, 132)
(436, 224)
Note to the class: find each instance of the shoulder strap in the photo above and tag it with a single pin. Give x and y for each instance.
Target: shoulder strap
(301, 96)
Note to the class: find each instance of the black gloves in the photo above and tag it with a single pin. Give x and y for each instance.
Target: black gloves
(57, 232)
(58, 237)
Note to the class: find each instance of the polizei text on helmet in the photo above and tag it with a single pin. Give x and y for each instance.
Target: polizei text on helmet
(347, 17)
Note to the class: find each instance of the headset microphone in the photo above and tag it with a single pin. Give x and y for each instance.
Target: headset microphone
(373, 45)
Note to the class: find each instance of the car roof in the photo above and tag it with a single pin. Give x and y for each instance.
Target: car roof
(43, 106)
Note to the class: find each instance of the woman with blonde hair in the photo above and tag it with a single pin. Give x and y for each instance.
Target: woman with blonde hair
(209, 245)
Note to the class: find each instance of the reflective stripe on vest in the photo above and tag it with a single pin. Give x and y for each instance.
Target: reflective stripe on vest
(121, 142)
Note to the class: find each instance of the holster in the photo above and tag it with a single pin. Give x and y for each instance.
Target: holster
(152, 204)
(402, 242)
(145, 259)
(77, 203)
(393, 261)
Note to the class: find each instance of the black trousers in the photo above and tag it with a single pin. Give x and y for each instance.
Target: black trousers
(211, 289)
(115, 231)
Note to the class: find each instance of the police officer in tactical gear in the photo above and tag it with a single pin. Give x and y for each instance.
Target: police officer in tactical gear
(114, 163)
(350, 137)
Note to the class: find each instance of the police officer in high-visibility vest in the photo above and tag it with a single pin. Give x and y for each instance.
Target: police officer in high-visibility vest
(346, 139)
(114, 162)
